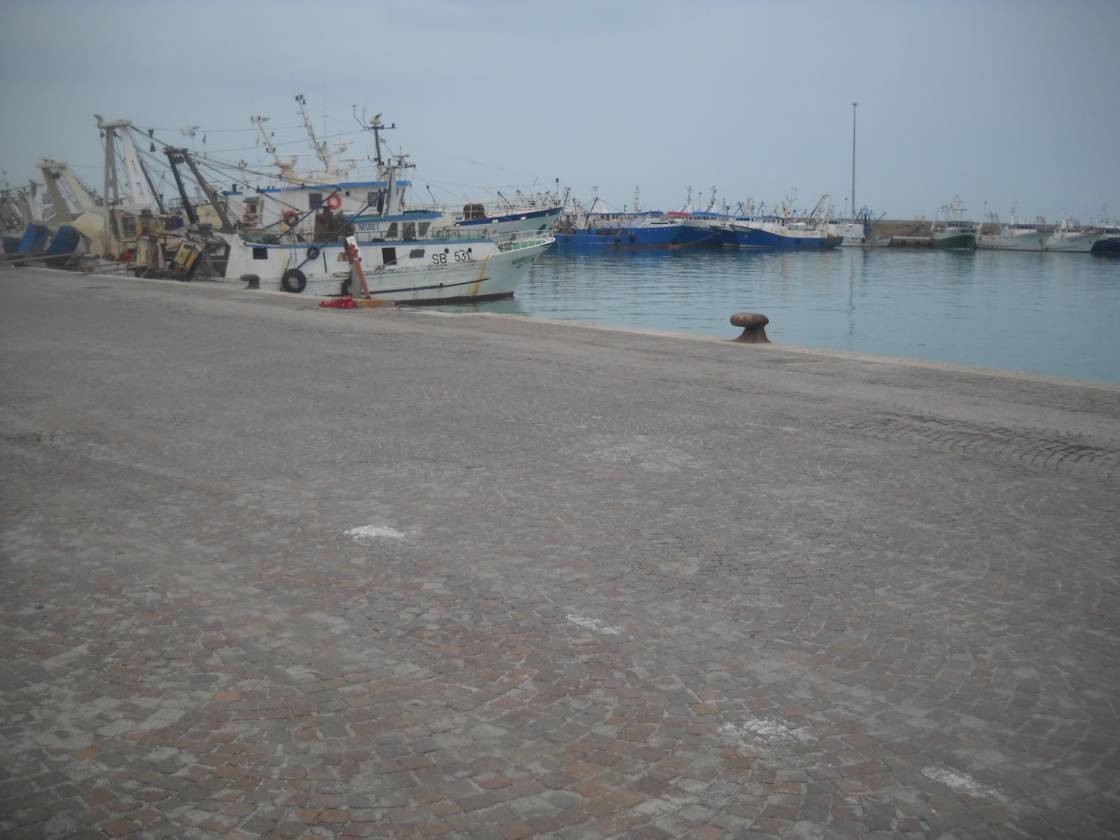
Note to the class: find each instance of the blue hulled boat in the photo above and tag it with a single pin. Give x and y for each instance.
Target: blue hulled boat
(601, 227)
(625, 233)
(777, 235)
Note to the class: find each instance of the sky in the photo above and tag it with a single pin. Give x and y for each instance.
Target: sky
(1000, 103)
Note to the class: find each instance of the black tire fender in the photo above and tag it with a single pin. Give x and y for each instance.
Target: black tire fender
(293, 281)
(313, 253)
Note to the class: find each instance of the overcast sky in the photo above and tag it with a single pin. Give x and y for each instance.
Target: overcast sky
(997, 102)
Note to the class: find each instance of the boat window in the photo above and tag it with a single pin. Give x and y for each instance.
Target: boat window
(388, 256)
(391, 233)
(260, 253)
(409, 230)
(424, 229)
(315, 200)
(416, 253)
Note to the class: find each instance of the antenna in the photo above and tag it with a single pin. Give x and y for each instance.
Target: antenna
(376, 126)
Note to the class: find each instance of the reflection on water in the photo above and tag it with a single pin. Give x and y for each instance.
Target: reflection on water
(1043, 313)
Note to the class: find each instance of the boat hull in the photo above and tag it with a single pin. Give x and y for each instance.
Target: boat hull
(1109, 246)
(433, 272)
(763, 239)
(955, 241)
(700, 236)
(1001, 242)
(1070, 243)
(621, 238)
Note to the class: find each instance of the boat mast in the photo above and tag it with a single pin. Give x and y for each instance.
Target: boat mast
(320, 148)
(376, 126)
(286, 167)
(853, 208)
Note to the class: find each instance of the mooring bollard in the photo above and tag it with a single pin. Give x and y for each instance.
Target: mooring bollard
(253, 280)
(754, 327)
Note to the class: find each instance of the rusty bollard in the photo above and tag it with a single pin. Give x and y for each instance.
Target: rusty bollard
(754, 327)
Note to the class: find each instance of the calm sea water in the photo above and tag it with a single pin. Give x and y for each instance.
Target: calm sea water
(1056, 314)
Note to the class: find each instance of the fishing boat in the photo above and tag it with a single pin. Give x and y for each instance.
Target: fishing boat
(1070, 238)
(1012, 236)
(780, 235)
(393, 256)
(702, 228)
(621, 231)
(601, 227)
(859, 233)
(784, 232)
(1109, 243)
(449, 269)
(951, 230)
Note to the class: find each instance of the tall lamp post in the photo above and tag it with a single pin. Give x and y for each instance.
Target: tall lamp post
(854, 104)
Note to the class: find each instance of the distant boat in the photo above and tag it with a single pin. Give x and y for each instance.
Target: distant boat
(859, 233)
(1109, 243)
(601, 227)
(952, 231)
(624, 231)
(480, 221)
(778, 235)
(1012, 236)
(1069, 237)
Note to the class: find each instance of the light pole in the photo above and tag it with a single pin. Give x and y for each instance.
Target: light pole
(854, 104)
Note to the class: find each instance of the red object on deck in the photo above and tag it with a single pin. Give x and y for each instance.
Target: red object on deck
(355, 259)
(338, 303)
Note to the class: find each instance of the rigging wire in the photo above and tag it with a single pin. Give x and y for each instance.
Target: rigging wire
(202, 130)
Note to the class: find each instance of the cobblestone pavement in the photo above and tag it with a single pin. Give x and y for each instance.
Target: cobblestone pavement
(274, 571)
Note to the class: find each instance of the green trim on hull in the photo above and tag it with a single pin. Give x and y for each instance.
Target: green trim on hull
(960, 242)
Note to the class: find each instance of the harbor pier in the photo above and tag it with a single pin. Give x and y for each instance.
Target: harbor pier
(272, 570)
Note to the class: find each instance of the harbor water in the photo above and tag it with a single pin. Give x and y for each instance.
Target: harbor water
(1042, 313)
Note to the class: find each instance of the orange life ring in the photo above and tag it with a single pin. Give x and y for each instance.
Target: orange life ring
(290, 218)
(334, 202)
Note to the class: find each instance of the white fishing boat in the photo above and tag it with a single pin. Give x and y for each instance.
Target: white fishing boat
(858, 233)
(387, 257)
(1070, 238)
(428, 271)
(1013, 236)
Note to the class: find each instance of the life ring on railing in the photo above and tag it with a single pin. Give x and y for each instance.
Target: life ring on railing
(313, 253)
(290, 217)
(293, 281)
(334, 202)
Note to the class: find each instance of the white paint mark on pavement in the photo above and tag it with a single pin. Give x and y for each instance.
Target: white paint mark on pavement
(763, 729)
(594, 625)
(963, 783)
(366, 533)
